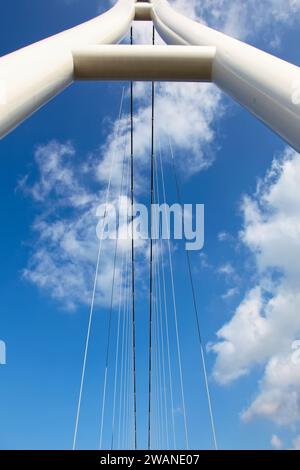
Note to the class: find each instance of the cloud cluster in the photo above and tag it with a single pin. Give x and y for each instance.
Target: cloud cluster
(277, 443)
(243, 19)
(296, 443)
(65, 247)
(267, 322)
(62, 261)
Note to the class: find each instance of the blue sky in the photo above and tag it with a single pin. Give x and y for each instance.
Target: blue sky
(246, 277)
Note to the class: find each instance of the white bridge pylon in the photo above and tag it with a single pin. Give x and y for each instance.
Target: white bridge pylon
(259, 81)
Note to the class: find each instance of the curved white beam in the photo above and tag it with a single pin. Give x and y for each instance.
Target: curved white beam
(264, 84)
(155, 63)
(33, 75)
(143, 11)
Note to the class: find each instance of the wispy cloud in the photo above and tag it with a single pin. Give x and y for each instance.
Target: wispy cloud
(230, 293)
(64, 249)
(226, 269)
(276, 442)
(296, 443)
(242, 19)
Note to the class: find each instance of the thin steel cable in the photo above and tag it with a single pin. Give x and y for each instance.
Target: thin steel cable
(161, 330)
(132, 253)
(87, 342)
(130, 394)
(124, 316)
(124, 268)
(163, 371)
(125, 372)
(155, 410)
(151, 257)
(159, 372)
(167, 326)
(111, 311)
(157, 430)
(155, 379)
(168, 350)
(212, 421)
(158, 311)
(155, 427)
(176, 319)
(126, 421)
(117, 351)
(127, 382)
(127, 367)
(130, 400)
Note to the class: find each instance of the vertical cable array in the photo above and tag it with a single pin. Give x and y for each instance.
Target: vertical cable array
(111, 311)
(121, 293)
(190, 274)
(160, 311)
(123, 303)
(164, 289)
(126, 301)
(178, 346)
(161, 382)
(91, 314)
(132, 251)
(151, 256)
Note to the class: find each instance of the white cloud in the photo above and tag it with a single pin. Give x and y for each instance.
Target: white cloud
(278, 398)
(243, 19)
(64, 252)
(185, 112)
(296, 443)
(232, 292)
(267, 321)
(223, 236)
(276, 442)
(204, 262)
(56, 176)
(235, 349)
(226, 269)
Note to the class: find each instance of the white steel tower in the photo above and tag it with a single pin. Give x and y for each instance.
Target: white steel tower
(264, 84)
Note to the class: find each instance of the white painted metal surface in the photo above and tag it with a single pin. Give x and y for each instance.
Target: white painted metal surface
(33, 75)
(169, 63)
(259, 81)
(143, 11)
(262, 83)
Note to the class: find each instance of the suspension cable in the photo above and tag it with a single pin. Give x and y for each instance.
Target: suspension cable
(91, 314)
(159, 295)
(117, 348)
(156, 402)
(122, 298)
(126, 361)
(156, 369)
(211, 415)
(132, 252)
(111, 311)
(167, 322)
(151, 256)
(124, 316)
(175, 313)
